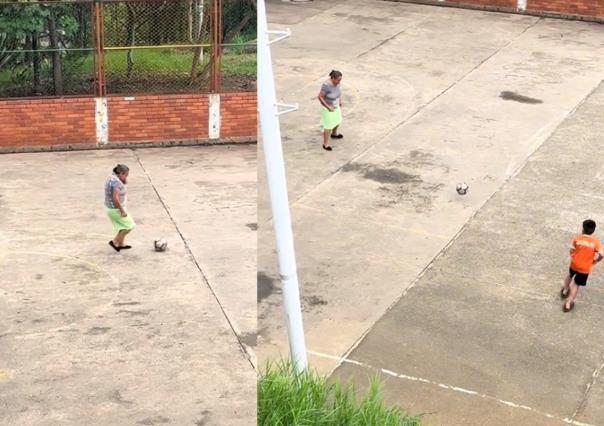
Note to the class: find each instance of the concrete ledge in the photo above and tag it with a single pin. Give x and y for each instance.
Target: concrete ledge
(599, 20)
(121, 145)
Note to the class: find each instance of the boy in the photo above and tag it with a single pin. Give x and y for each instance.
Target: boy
(585, 251)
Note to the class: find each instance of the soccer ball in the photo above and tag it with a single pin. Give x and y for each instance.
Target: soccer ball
(462, 188)
(160, 245)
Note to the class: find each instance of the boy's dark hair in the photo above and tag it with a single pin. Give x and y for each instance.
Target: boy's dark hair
(589, 226)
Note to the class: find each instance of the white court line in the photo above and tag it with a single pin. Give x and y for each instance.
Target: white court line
(118, 285)
(116, 282)
(594, 377)
(444, 386)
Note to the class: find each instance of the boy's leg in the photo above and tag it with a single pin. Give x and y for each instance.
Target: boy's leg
(574, 290)
(566, 286)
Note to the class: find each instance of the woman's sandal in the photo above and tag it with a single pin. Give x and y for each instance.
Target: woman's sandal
(125, 247)
(570, 308)
(338, 136)
(116, 248)
(327, 148)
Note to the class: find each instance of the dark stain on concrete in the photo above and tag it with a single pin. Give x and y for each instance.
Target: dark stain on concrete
(156, 420)
(126, 303)
(381, 175)
(252, 226)
(266, 286)
(205, 418)
(134, 313)
(39, 320)
(314, 301)
(513, 96)
(98, 330)
(249, 339)
(39, 276)
(117, 397)
(364, 20)
(420, 156)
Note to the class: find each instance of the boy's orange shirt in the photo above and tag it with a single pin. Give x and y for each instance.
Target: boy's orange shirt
(585, 247)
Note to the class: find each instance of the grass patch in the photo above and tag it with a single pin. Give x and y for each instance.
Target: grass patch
(153, 71)
(288, 399)
(163, 61)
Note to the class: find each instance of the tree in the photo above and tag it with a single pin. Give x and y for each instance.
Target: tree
(28, 29)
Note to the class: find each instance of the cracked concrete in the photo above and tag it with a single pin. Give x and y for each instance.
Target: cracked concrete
(491, 303)
(89, 336)
(434, 88)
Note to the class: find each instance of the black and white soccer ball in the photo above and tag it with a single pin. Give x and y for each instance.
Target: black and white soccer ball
(160, 245)
(462, 188)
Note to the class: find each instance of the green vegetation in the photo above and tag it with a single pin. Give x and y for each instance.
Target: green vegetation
(288, 399)
(45, 48)
(153, 70)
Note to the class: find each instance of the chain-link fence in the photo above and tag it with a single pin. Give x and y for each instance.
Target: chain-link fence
(238, 53)
(84, 47)
(46, 48)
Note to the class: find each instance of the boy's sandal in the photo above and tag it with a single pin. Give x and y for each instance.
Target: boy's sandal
(564, 294)
(570, 308)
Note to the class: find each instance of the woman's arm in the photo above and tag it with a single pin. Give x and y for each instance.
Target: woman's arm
(321, 98)
(115, 196)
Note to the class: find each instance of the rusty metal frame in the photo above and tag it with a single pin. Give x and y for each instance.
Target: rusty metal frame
(99, 49)
(216, 36)
(100, 88)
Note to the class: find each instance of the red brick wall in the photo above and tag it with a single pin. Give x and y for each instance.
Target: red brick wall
(492, 3)
(158, 118)
(238, 115)
(27, 123)
(577, 9)
(568, 7)
(46, 122)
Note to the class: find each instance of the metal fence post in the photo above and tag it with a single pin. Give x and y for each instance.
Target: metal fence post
(99, 49)
(216, 48)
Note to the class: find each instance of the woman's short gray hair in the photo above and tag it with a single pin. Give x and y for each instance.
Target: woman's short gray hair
(120, 168)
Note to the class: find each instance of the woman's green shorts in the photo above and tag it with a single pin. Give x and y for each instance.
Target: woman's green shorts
(120, 223)
(330, 119)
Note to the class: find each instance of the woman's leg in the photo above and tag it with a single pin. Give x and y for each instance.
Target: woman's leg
(326, 133)
(119, 238)
(334, 131)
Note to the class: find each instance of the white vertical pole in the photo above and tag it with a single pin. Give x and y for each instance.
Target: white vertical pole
(275, 172)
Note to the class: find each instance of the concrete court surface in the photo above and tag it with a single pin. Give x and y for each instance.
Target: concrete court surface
(486, 316)
(90, 336)
(433, 96)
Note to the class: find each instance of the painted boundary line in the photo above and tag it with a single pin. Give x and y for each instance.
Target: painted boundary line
(203, 274)
(457, 389)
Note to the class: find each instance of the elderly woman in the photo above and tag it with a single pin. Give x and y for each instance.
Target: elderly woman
(115, 205)
(331, 113)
